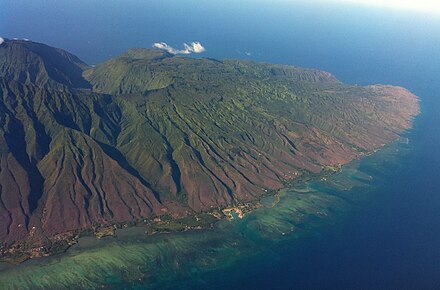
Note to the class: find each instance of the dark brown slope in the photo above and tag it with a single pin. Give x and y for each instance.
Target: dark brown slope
(52, 173)
(35, 63)
(159, 134)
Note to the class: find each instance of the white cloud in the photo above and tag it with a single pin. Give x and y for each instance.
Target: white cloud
(1, 40)
(193, 47)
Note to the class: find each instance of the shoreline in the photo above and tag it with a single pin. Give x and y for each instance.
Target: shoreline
(297, 216)
(20, 252)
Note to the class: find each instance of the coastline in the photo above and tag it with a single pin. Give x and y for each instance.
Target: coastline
(304, 210)
(21, 252)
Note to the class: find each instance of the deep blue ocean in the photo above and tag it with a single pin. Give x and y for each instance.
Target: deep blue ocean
(393, 242)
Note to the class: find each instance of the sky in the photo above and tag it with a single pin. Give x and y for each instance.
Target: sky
(429, 6)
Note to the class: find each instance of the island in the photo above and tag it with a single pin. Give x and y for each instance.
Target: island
(174, 143)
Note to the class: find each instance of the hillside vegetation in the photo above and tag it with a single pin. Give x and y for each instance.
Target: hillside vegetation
(148, 134)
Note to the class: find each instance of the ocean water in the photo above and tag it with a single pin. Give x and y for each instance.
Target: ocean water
(374, 226)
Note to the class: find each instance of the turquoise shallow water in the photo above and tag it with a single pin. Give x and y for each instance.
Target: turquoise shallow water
(374, 226)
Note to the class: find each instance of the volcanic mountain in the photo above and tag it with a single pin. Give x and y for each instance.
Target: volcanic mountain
(148, 134)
